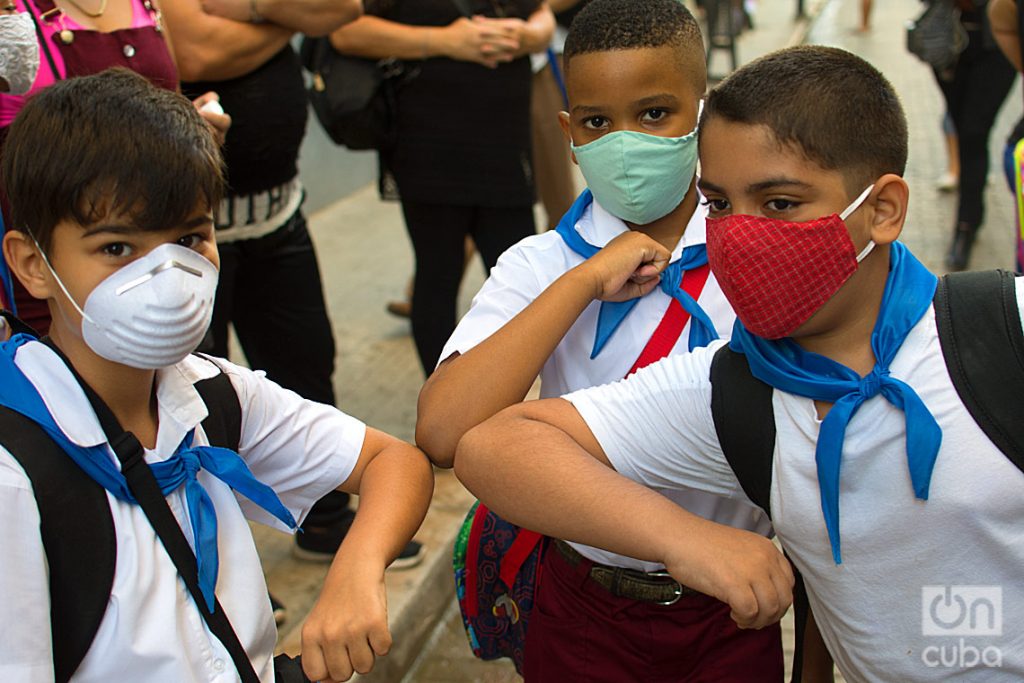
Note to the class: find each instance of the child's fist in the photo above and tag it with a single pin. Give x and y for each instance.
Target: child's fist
(628, 267)
(740, 568)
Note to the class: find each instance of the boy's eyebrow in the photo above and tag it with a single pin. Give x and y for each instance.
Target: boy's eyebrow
(753, 188)
(109, 228)
(121, 229)
(660, 98)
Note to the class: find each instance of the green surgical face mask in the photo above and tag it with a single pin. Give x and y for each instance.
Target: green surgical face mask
(638, 177)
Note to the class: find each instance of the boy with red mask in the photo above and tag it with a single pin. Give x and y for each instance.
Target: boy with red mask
(622, 281)
(836, 324)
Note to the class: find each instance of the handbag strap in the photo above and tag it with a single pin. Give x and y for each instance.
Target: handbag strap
(43, 42)
(143, 485)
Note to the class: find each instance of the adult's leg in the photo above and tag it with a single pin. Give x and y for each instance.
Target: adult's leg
(284, 329)
(496, 229)
(981, 89)
(438, 233)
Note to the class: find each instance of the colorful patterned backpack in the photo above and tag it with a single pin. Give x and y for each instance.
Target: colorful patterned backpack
(497, 567)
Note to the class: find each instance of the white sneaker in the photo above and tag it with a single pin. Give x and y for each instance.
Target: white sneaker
(947, 182)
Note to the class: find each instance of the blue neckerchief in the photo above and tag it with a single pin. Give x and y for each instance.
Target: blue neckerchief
(18, 394)
(782, 364)
(612, 313)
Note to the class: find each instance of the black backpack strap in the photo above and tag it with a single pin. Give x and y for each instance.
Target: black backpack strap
(223, 424)
(78, 536)
(741, 406)
(979, 326)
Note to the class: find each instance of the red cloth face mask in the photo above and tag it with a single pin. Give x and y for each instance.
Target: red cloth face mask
(777, 273)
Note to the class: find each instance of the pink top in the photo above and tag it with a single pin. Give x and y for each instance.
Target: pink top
(140, 47)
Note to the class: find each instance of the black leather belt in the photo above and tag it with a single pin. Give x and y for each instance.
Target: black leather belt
(656, 587)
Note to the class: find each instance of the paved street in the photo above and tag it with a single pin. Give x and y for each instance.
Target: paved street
(366, 259)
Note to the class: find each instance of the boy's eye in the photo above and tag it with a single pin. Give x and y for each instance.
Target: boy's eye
(116, 249)
(654, 115)
(715, 206)
(190, 241)
(595, 122)
(781, 205)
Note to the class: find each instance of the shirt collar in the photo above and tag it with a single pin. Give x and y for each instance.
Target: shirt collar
(598, 227)
(179, 404)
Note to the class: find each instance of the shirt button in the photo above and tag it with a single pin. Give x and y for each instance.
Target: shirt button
(218, 665)
(129, 51)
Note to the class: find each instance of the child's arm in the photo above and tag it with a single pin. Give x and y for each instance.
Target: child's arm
(539, 465)
(348, 626)
(467, 389)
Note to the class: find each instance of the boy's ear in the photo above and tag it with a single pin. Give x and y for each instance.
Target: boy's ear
(563, 121)
(891, 195)
(26, 262)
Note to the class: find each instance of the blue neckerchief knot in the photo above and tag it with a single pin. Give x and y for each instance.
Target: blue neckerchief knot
(613, 313)
(19, 394)
(782, 364)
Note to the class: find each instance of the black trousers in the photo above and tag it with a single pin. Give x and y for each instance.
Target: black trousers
(270, 289)
(438, 233)
(974, 92)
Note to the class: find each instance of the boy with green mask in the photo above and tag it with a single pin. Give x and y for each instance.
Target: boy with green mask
(621, 282)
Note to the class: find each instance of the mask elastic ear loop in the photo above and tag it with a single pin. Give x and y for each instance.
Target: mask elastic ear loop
(59, 281)
(857, 202)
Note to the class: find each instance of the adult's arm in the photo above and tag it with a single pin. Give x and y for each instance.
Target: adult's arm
(467, 389)
(312, 17)
(539, 465)
(1002, 16)
(562, 5)
(209, 48)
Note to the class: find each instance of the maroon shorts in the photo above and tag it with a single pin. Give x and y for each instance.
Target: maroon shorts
(581, 632)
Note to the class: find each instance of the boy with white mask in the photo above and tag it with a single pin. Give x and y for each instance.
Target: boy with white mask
(118, 238)
(621, 282)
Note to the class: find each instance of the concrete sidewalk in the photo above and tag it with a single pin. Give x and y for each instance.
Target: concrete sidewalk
(366, 258)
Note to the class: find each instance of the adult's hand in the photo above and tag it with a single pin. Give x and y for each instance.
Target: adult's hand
(479, 40)
(208, 105)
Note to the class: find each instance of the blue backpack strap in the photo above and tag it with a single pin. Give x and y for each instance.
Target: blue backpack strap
(978, 320)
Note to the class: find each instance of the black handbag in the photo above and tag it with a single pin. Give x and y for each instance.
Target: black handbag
(353, 98)
(937, 37)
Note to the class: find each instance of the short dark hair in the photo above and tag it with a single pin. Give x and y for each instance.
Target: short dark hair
(830, 105)
(110, 143)
(606, 25)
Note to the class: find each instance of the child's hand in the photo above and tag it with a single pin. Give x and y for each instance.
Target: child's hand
(740, 568)
(347, 628)
(628, 267)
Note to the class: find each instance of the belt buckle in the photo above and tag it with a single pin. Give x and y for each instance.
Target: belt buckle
(678, 588)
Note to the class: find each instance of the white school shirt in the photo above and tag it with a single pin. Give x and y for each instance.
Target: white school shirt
(527, 269)
(899, 553)
(152, 630)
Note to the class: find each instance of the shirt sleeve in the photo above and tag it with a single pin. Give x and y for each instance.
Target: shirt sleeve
(25, 641)
(300, 448)
(1019, 281)
(512, 285)
(656, 426)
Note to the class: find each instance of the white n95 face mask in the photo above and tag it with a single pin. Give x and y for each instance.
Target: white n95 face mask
(19, 52)
(153, 312)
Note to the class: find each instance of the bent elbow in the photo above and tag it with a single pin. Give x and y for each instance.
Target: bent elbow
(432, 441)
